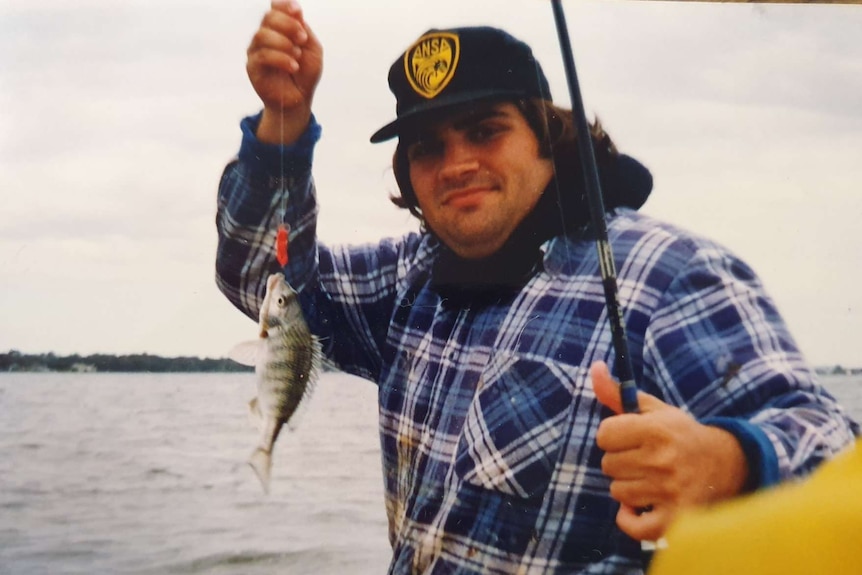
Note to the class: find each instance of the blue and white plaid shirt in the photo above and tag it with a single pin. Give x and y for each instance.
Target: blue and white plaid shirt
(487, 416)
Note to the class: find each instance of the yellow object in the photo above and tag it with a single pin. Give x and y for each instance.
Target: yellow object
(810, 527)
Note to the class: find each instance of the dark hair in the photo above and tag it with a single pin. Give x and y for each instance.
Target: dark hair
(555, 129)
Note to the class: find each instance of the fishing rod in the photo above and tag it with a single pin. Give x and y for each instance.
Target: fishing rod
(586, 154)
(625, 372)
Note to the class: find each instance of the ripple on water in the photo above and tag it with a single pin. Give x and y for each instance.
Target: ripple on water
(247, 562)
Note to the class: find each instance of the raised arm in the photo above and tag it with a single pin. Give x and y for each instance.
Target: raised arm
(269, 184)
(270, 181)
(285, 61)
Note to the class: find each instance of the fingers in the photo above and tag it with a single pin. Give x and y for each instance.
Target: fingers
(641, 491)
(280, 40)
(646, 509)
(271, 58)
(623, 465)
(637, 483)
(269, 38)
(286, 16)
(644, 526)
(289, 7)
(655, 435)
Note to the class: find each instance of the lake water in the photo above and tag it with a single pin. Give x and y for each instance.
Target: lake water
(146, 474)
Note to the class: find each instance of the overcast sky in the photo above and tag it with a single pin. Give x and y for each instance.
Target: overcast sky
(117, 117)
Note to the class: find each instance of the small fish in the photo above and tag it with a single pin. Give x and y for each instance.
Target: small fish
(287, 360)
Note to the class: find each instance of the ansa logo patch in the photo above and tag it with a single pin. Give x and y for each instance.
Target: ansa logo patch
(431, 62)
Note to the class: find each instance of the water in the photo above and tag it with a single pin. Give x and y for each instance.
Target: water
(143, 473)
(146, 474)
(848, 390)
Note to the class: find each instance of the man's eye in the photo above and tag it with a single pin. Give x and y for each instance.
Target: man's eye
(423, 149)
(483, 132)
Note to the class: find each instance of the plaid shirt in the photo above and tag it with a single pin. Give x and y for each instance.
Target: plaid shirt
(487, 416)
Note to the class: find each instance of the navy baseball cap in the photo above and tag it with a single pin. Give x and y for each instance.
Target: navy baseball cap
(446, 68)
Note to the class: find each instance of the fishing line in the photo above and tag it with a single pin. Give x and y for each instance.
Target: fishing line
(283, 234)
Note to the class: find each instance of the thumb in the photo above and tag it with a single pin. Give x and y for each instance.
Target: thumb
(607, 391)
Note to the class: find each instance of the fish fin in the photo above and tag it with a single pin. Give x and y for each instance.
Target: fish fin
(254, 414)
(247, 352)
(261, 462)
(293, 423)
(294, 420)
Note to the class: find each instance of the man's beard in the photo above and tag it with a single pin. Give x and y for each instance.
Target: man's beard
(562, 209)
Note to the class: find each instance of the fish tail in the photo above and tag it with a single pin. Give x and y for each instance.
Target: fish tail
(261, 462)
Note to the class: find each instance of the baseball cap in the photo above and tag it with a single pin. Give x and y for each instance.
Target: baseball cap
(456, 66)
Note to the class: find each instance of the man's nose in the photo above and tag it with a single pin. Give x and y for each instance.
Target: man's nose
(460, 161)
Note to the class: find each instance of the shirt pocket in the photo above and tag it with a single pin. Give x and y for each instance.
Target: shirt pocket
(516, 424)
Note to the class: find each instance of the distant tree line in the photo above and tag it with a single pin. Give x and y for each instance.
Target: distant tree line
(838, 370)
(15, 361)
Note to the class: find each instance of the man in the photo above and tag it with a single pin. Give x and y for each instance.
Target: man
(487, 334)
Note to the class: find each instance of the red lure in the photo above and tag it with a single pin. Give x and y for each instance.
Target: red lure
(281, 245)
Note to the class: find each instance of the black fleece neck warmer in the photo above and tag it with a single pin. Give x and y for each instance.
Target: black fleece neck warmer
(562, 209)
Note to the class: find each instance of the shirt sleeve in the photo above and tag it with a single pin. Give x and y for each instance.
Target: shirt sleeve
(718, 346)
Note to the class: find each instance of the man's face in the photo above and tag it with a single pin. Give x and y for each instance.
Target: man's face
(476, 174)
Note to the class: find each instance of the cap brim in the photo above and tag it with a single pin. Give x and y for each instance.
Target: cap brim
(409, 118)
(385, 133)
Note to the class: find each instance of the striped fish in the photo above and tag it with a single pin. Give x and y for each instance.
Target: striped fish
(287, 360)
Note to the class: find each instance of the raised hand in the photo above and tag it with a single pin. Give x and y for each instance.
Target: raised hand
(285, 62)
